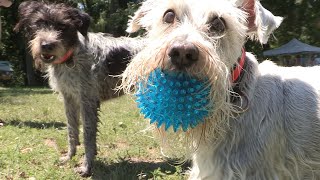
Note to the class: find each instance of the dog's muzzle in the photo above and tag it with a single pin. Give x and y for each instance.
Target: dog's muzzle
(46, 49)
(183, 54)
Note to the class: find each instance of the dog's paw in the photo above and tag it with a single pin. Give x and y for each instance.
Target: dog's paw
(83, 171)
(64, 159)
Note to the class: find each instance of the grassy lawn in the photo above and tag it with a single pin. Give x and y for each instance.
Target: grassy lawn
(33, 136)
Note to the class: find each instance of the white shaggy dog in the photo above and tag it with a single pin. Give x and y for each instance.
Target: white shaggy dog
(265, 123)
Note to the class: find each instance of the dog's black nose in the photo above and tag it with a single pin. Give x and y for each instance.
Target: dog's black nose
(183, 54)
(47, 46)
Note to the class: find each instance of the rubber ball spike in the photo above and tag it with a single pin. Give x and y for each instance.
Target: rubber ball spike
(174, 99)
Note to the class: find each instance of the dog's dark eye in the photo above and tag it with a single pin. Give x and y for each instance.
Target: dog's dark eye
(169, 16)
(41, 23)
(217, 25)
(62, 26)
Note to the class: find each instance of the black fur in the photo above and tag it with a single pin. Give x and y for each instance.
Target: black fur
(84, 79)
(117, 60)
(33, 14)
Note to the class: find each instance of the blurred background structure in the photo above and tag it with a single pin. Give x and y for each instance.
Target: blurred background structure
(295, 53)
(301, 22)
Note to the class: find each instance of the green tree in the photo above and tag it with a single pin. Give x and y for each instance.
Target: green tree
(107, 16)
(12, 46)
(301, 21)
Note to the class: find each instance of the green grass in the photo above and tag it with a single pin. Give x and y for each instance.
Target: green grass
(33, 136)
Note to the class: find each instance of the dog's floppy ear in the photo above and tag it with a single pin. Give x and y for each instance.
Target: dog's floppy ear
(261, 22)
(136, 21)
(25, 10)
(81, 21)
(85, 23)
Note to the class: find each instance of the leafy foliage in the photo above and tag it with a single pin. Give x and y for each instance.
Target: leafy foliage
(11, 45)
(301, 21)
(107, 16)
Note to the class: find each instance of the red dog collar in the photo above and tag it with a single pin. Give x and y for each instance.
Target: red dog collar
(239, 67)
(64, 58)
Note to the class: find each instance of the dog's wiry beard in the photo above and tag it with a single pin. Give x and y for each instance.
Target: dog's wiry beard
(209, 66)
(35, 46)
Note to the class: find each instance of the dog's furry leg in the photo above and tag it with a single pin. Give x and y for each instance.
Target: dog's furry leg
(72, 109)
(89, 106)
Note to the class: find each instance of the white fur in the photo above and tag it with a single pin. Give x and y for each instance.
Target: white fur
(266, 23)
(278, 136)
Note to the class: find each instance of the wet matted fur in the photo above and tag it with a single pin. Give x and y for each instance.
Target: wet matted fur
(265, 125)
(80, 66)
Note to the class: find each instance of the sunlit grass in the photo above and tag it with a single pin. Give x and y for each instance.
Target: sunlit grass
(33, 136)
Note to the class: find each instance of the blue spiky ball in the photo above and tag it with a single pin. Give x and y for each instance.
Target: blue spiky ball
(173, 99)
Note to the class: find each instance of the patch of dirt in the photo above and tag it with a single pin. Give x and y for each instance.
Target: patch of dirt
(137, 160)
(154, 152)
(51, 143)
(26, 150)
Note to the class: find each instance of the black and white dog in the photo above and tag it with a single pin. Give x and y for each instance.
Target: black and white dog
(79, 65)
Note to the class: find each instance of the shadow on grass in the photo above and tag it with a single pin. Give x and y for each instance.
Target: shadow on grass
(127, 170)
(18, 91)
(36, 125)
